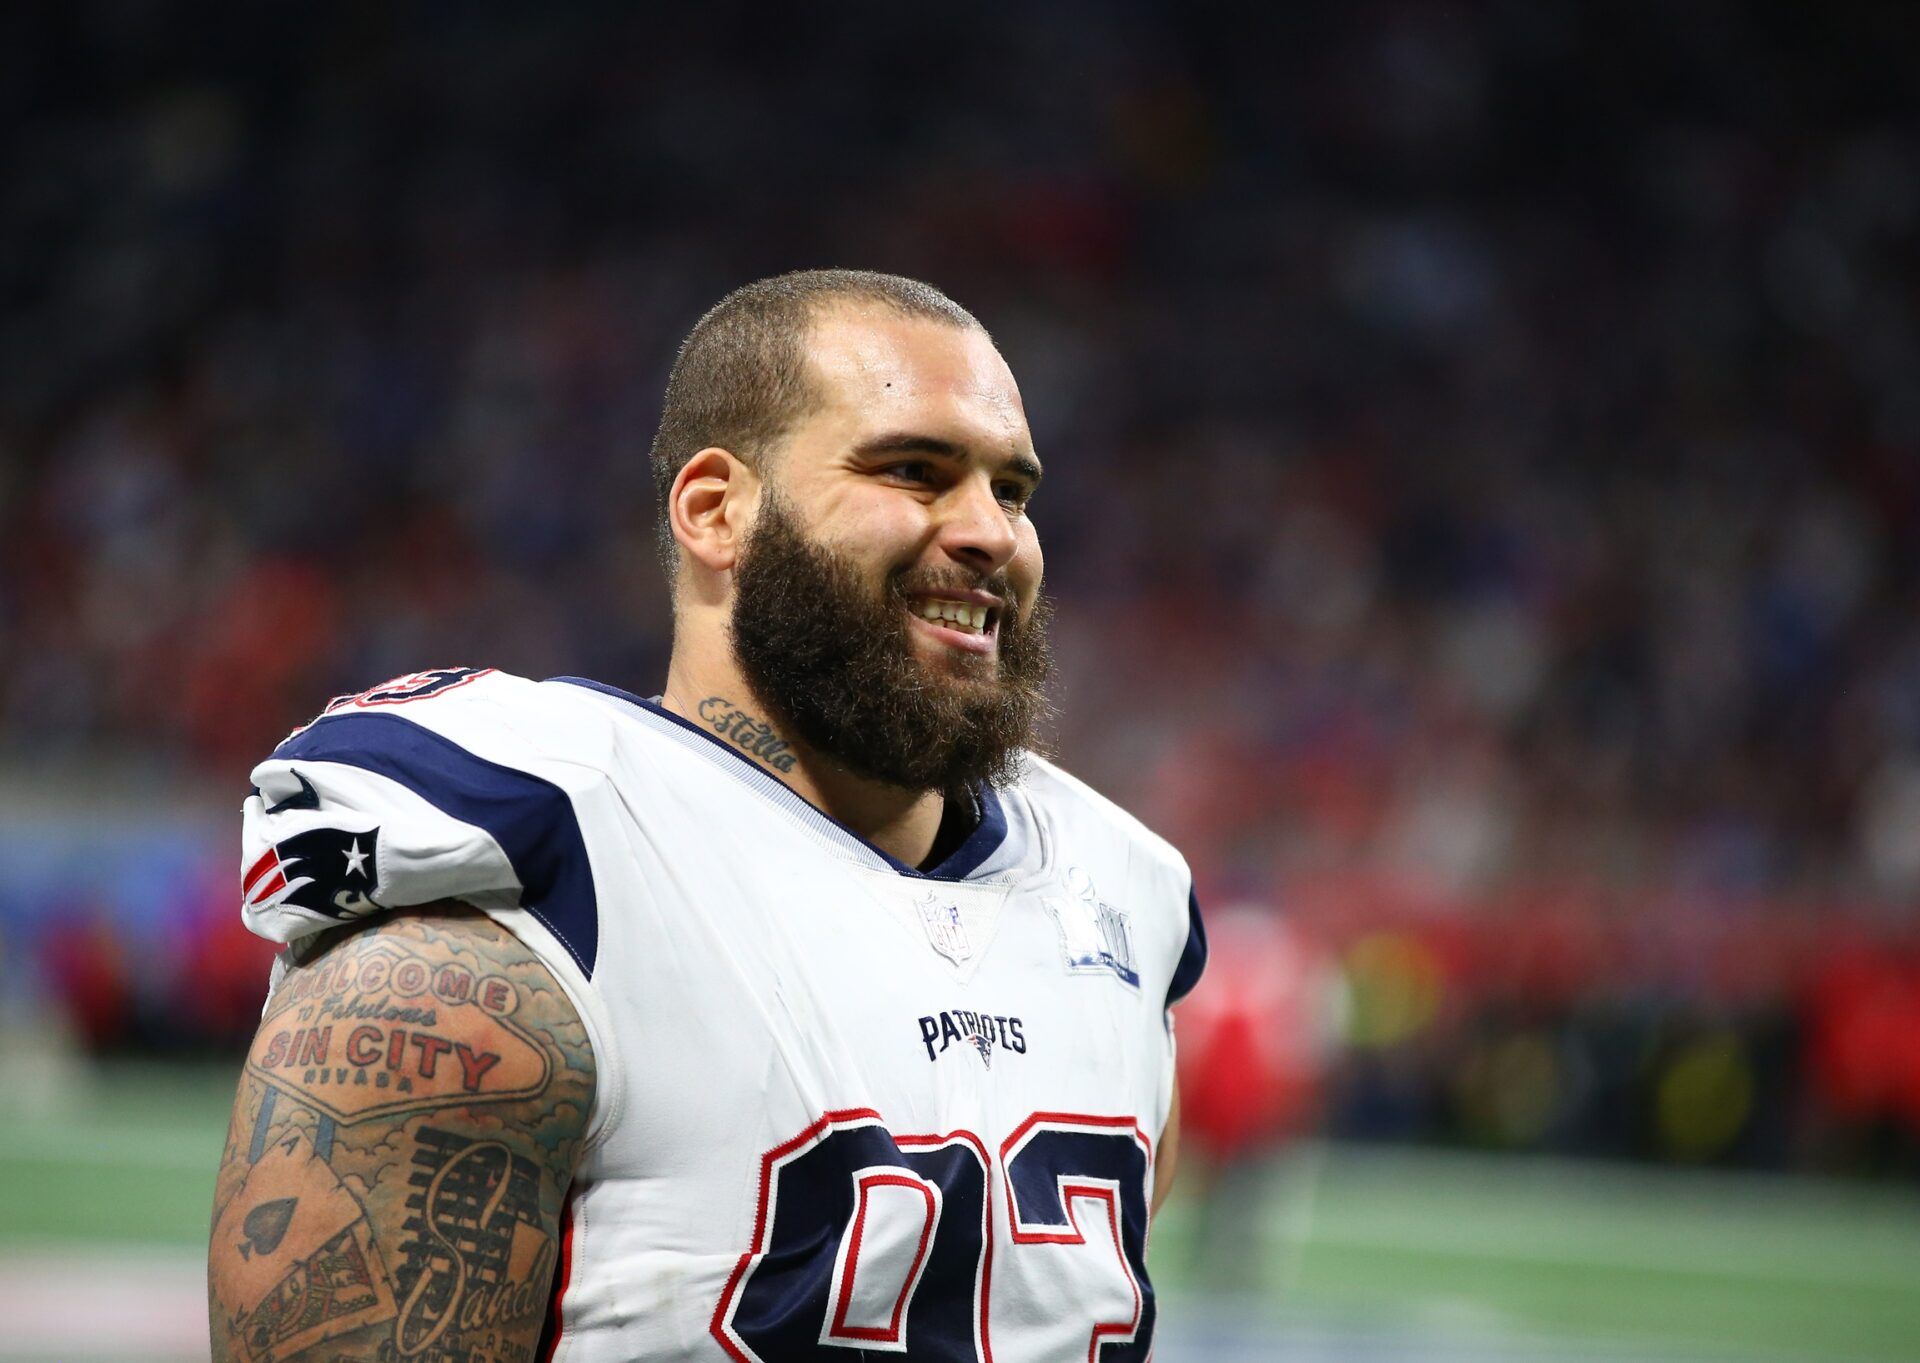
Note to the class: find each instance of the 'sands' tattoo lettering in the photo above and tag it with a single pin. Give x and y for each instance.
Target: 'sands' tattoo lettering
(754, 736)
(477, 1259)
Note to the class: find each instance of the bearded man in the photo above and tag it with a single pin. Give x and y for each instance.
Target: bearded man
(798, 1010)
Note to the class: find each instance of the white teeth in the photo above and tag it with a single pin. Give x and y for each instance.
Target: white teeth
(969, 619)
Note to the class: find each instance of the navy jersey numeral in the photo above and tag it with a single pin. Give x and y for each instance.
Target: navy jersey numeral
(1082, 1181)
(854, 1220)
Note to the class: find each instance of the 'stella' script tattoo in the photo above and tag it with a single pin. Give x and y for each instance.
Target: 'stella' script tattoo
(751, 735)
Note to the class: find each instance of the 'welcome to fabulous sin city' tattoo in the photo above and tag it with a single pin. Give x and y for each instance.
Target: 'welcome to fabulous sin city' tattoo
(404, 1134)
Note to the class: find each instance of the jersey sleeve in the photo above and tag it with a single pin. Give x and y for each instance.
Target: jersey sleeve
(1193, 956)
(366, 810)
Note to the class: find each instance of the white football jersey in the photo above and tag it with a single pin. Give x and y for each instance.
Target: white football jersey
(843, 1106)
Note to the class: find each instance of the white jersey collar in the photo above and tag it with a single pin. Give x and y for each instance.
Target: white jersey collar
(984, 853)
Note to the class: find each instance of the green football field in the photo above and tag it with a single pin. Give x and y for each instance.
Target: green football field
(1336, 1253)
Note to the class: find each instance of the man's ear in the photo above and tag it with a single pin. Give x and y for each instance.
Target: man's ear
(711, 506)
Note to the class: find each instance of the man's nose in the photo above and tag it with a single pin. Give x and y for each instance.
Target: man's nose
(976, 528)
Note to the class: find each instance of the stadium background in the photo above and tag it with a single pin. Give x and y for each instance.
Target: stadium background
(1483, 509)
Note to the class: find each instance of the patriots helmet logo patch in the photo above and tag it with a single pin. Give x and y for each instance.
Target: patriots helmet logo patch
(985, 1047)
(330, 871)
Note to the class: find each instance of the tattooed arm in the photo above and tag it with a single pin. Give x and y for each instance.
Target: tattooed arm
(404, 1136)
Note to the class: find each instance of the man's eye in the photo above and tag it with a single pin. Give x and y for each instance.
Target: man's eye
(1013, 494)
(914, 472)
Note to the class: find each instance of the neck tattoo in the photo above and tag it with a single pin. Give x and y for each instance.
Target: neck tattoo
(755, 737)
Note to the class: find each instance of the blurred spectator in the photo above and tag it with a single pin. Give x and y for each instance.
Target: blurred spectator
(1484, 456)
(83, 960)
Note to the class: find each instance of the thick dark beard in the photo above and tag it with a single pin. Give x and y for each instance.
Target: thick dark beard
(833, 663)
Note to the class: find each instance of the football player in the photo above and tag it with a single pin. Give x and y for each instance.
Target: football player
(798, 1011)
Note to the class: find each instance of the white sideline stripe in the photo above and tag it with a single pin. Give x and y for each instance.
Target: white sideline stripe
(84, 1306)
(68, 1304)
(1703, 1260)
(1229, 1329)
(1603, 1181)
(1727, 1249)
(183, 1151)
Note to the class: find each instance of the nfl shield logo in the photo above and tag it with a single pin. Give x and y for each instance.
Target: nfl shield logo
(945, 928)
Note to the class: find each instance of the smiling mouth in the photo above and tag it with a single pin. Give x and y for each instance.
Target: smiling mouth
(963, 616)
(961, 629)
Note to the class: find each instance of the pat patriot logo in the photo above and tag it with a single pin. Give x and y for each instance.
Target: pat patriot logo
(330, 871)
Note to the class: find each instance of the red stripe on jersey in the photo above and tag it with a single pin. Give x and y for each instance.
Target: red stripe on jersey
(269, 861)
(550, 1332)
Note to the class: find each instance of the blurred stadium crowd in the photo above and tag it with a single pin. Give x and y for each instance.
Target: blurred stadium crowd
(1483, 497)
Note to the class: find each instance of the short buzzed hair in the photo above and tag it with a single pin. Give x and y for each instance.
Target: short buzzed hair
(741, 379)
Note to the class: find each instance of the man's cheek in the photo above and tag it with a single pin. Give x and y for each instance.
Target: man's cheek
(1028, 563)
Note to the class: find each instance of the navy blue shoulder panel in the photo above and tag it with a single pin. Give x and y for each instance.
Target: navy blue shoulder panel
(1193, 960)
(532, 819)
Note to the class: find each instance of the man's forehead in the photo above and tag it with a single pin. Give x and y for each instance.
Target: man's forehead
(875, 364)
